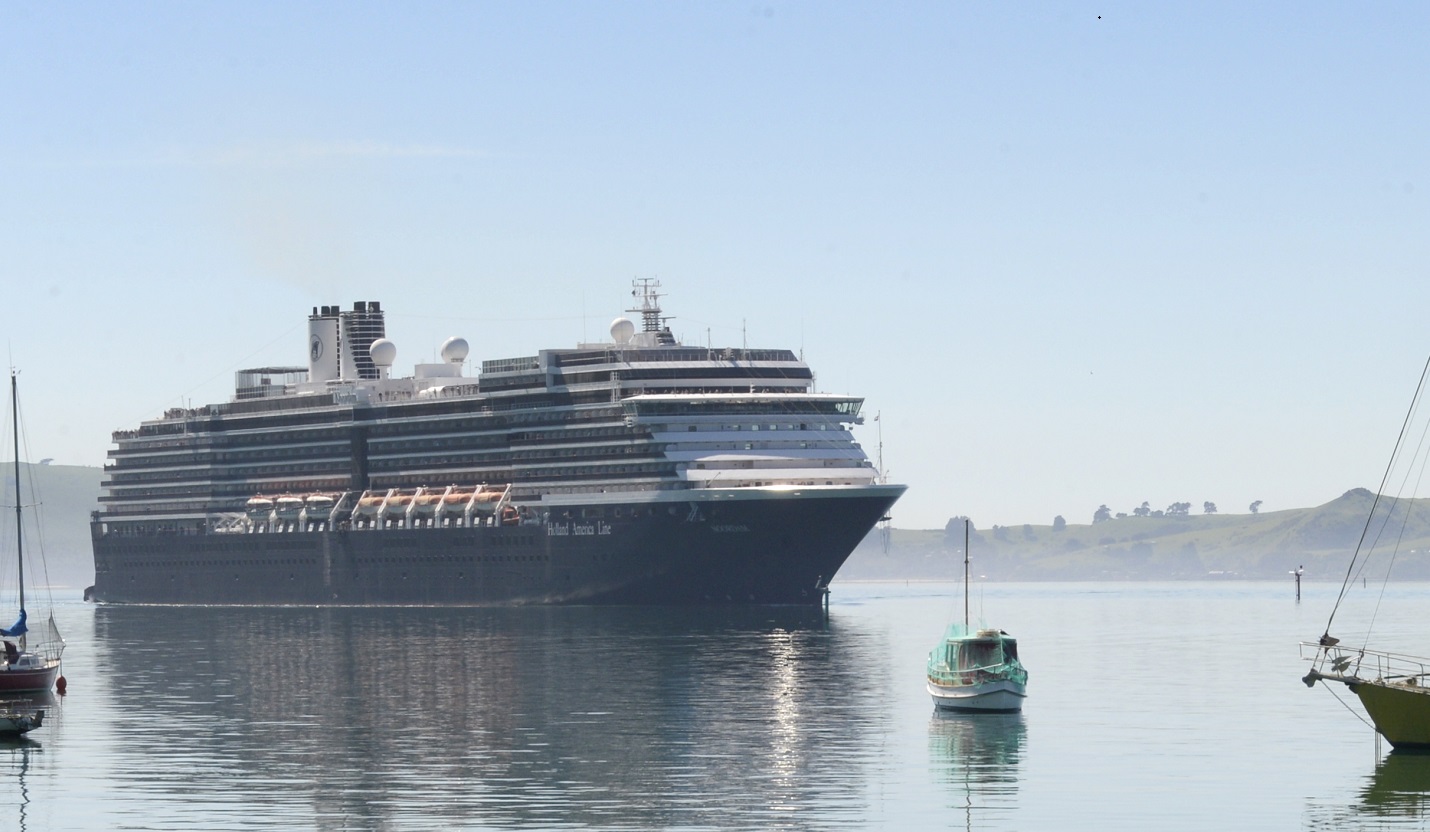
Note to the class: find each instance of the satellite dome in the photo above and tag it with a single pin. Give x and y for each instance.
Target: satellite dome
(383, 352)
(454, 350)
(622, 330)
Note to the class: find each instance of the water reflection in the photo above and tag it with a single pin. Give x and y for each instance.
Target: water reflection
(1397, 791)
(1399, 786)
(17, 751)
(979, 756)
(552, 717)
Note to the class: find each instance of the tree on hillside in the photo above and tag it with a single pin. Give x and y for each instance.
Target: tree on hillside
(1208, 507)
(1059, 523)
(1143, 510)
(954, 527)
(1255, 507)
(1102, 513)
(1179, 509)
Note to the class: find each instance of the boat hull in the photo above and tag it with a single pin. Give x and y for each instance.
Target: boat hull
(735, 546)
(1401, 713)
(28, 680)
(999, 696)
(18, 723)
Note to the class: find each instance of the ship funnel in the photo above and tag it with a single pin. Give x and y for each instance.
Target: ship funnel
(358, 329)
(323, 345)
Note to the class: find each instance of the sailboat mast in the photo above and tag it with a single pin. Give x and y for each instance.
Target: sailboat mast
(19, 533)
(966, 523)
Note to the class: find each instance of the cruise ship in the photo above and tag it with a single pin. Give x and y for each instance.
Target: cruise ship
(633, 471)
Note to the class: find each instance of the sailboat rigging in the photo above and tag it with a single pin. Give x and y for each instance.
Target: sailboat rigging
(31, 657)
(1394, 688)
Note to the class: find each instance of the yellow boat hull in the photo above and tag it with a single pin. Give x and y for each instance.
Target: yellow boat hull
(1401, 713)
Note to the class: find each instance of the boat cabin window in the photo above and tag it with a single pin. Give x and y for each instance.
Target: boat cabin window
(979, 654)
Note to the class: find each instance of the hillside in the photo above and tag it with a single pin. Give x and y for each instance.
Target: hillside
(63, 496)
(1268, 545)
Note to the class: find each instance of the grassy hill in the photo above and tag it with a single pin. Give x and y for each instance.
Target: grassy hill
(1266, 545)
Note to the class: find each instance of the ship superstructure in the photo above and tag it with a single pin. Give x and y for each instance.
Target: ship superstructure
(637, 470)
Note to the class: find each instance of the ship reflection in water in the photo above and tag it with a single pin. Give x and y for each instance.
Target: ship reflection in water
(1396, 792)
(1400, 786)
(542, 716)
(978, 755)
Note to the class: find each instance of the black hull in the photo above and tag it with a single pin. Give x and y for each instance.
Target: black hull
(721, 548)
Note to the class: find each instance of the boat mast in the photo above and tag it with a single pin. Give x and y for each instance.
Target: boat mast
(19, 533)
(966, 523)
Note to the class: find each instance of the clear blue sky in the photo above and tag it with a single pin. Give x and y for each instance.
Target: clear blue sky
(1074, 253)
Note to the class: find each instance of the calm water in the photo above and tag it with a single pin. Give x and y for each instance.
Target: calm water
(1167, 706)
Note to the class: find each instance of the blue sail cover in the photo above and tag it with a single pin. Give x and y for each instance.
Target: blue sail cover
(18, 628)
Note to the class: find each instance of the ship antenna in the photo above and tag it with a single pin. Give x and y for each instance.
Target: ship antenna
(646, 289)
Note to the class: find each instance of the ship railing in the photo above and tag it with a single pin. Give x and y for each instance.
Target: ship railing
(1338, 663)
(228, 523)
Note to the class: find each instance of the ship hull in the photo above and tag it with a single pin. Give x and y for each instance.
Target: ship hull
(735, 546)
(1001, 696)
(1401, 713)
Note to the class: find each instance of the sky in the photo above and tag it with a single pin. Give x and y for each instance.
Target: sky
(1070, 254)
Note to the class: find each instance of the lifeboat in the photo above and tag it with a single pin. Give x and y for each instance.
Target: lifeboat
(509, 516)
(320, 502)
(486, 501)
(368, 506)
(426, 503)
(397, 504)
(259, 507)
(288, 505)
(454, 501)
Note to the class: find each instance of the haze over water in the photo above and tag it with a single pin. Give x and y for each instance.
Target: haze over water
(1168, 706)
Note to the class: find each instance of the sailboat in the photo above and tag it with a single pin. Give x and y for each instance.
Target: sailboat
(1394, 688)
(31, 656)
(976, 669)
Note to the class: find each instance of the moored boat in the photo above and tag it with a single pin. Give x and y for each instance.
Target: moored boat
(1394, 688)
(976, 669)
(30, 660)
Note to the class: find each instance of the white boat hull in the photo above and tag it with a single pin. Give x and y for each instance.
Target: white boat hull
(1000, 695)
